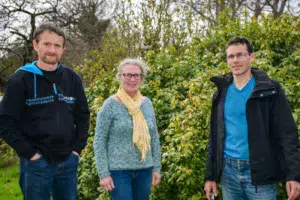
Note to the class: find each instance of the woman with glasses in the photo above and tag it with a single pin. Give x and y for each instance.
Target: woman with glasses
(126, 143)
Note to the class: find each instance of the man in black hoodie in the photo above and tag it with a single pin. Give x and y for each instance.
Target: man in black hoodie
(253, 137)
(44, 116)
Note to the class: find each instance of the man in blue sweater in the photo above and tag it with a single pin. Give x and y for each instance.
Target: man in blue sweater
(253, 137)
(44, 116)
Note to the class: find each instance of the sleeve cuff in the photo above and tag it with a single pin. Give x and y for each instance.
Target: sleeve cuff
(28, 154)
(78, 150)
(156, 169)
(104, 174)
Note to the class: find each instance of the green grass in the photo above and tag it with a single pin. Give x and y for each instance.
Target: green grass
(9, 183)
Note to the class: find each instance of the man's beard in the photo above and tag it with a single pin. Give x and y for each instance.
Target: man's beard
(50, 61)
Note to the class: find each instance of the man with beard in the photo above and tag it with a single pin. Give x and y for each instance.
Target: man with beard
(253, 137)
(44, 116)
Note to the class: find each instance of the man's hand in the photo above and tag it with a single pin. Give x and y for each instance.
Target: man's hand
(155, 178)
(210, 185)
(35, 157)
(107, 183)
(293, 190)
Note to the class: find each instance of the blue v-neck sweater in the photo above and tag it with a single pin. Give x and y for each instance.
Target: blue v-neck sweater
(236, 128)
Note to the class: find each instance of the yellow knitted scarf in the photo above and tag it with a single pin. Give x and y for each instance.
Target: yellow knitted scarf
(141, 136)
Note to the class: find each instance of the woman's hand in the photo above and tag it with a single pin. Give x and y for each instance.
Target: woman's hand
(155, 178)
(107, 183)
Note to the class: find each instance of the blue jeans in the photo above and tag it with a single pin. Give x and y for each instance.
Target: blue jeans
(39, 179)
(236, 183)
(131, 184)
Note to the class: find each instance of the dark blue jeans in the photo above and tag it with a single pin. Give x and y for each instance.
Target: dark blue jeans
(39, 179)
(131, 184)
(236, 183)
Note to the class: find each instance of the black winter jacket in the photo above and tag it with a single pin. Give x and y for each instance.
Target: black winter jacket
(39, 115)
(272, 133)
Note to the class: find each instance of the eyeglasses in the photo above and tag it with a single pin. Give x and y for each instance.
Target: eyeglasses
(239, 55)
(128, 76)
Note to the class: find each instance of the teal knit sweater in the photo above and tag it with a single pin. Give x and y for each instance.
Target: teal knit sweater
(113, 146)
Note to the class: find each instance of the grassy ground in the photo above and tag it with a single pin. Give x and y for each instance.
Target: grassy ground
(9, 185)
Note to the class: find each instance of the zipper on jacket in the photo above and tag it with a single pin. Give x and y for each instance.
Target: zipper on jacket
(221, 94)
(55, 97)
(53, 85)
(253, 175)
(54, 89)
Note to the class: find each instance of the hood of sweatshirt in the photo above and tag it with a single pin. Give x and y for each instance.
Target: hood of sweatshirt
(32, 68)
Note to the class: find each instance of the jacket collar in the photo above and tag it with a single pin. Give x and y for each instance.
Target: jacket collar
(263, 81)
(33, 68)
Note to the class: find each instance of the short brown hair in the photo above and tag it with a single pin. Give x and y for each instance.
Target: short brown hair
(47, 27)
(240, 40)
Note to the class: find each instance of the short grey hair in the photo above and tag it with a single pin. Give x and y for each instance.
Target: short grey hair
(132, 61)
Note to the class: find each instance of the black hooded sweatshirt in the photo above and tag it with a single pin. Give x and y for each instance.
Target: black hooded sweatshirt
(44, 112)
